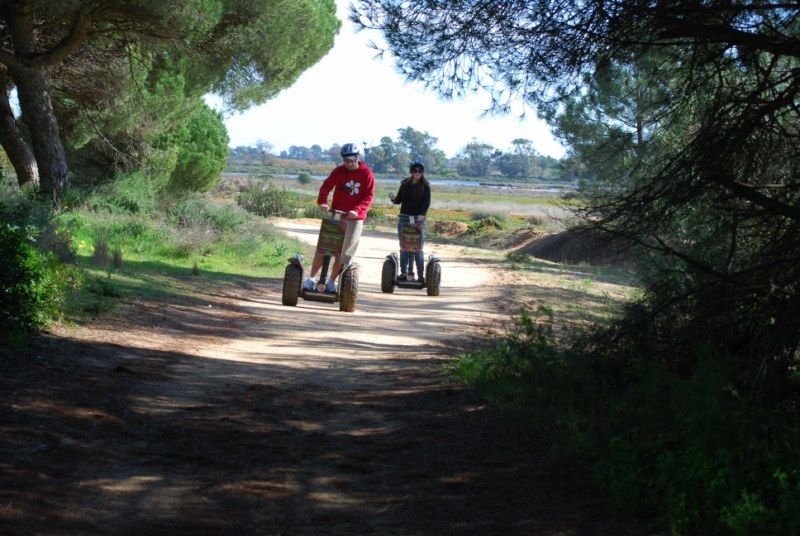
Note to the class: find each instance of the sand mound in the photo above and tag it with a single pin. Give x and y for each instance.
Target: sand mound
(448, 228)
(575, 247)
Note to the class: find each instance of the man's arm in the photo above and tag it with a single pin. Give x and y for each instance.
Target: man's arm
(325, 188)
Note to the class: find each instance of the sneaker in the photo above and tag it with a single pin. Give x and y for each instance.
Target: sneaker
(421, 279)
(330, 287)
(402, 277)
(308, 284)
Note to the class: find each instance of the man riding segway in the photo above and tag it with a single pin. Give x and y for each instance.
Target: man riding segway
(353, 185)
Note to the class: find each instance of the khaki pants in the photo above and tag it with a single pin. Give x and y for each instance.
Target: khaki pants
(352, 235)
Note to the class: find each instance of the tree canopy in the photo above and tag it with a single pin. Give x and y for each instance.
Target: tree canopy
(685, 116)
(95, 53)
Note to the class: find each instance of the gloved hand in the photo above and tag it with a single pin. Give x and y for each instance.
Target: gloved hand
(352, 215)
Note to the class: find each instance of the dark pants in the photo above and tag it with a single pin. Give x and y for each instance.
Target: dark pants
(407, 260)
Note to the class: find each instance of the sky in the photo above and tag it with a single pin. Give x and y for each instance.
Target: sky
(311, 110)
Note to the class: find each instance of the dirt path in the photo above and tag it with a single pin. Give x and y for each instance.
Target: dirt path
(233, 414)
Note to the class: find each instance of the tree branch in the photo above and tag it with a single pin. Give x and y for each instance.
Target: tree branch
(718, 33)
(65, 47)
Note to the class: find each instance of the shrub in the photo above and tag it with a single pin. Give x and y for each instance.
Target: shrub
(32, 284)
(489, 223)
(376, 211)
(269, 200)
(311, 210)
(304, 177)
(202, 152)
(131, 192)
(200, 212)
(694, 449)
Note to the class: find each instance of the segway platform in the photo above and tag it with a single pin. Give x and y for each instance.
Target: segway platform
(315, 295)
(408, 284)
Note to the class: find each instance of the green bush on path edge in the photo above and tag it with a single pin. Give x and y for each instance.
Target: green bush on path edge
(692, 451)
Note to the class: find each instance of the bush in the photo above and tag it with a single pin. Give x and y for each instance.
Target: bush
(377, 212)
(269, 200)
(713, 460)
(487, 223)
(200, 212)
(202, 152)
(708, 458)
(131, 193)
(304, 177)
(32, 284)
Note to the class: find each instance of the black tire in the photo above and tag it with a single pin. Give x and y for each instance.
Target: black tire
(348, 290)
(433, 276)
(292, 279)
(387, 276)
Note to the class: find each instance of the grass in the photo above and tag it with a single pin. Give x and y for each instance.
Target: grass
(183, 246)
(576, 295)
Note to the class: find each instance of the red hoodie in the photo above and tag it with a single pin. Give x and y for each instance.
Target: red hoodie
(352, 190)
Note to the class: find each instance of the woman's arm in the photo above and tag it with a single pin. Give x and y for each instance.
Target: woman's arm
(426, 201)
(397, 199)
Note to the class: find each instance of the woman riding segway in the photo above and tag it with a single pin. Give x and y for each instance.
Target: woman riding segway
(414, 198)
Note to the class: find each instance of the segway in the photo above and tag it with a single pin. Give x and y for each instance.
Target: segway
(329, 244)
(411, 241)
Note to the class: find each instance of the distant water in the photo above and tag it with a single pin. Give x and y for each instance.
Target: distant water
(541, 189)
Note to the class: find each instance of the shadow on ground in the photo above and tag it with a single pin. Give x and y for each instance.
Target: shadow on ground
(91, 445)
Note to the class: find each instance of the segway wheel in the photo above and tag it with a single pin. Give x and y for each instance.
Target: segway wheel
(387, 276)
(433, 276)
(348, 290)
(292, 279)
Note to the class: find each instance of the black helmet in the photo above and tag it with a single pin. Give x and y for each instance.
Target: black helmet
(349, 149)
(416, 164)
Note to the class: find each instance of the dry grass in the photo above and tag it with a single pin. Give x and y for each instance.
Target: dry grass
(578, 296)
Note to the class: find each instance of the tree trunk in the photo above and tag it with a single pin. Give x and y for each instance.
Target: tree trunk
(37, 107)
(15, 146)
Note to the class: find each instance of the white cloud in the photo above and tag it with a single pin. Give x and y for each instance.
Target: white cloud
(350, 96)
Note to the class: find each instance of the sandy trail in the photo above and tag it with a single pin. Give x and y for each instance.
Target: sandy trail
(231, 413)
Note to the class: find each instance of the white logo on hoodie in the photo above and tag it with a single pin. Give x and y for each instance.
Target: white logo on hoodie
(353, 186)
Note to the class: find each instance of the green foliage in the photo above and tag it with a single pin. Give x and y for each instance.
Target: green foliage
(269, 200)
(421, 146)
(182, 235)
(696, 450)
(142, 111)
(481, 224)
(33, 282)
(304, 177)
(475, 159)
(388, 155)
(202, 152)
(131, 192)
(712, 459)
(194, 212)
(526, 372)
(377, 212)
(252, 62)
(136, 105)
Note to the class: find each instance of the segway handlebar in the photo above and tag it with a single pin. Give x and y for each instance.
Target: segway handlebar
(335, 213)
(412, 219)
